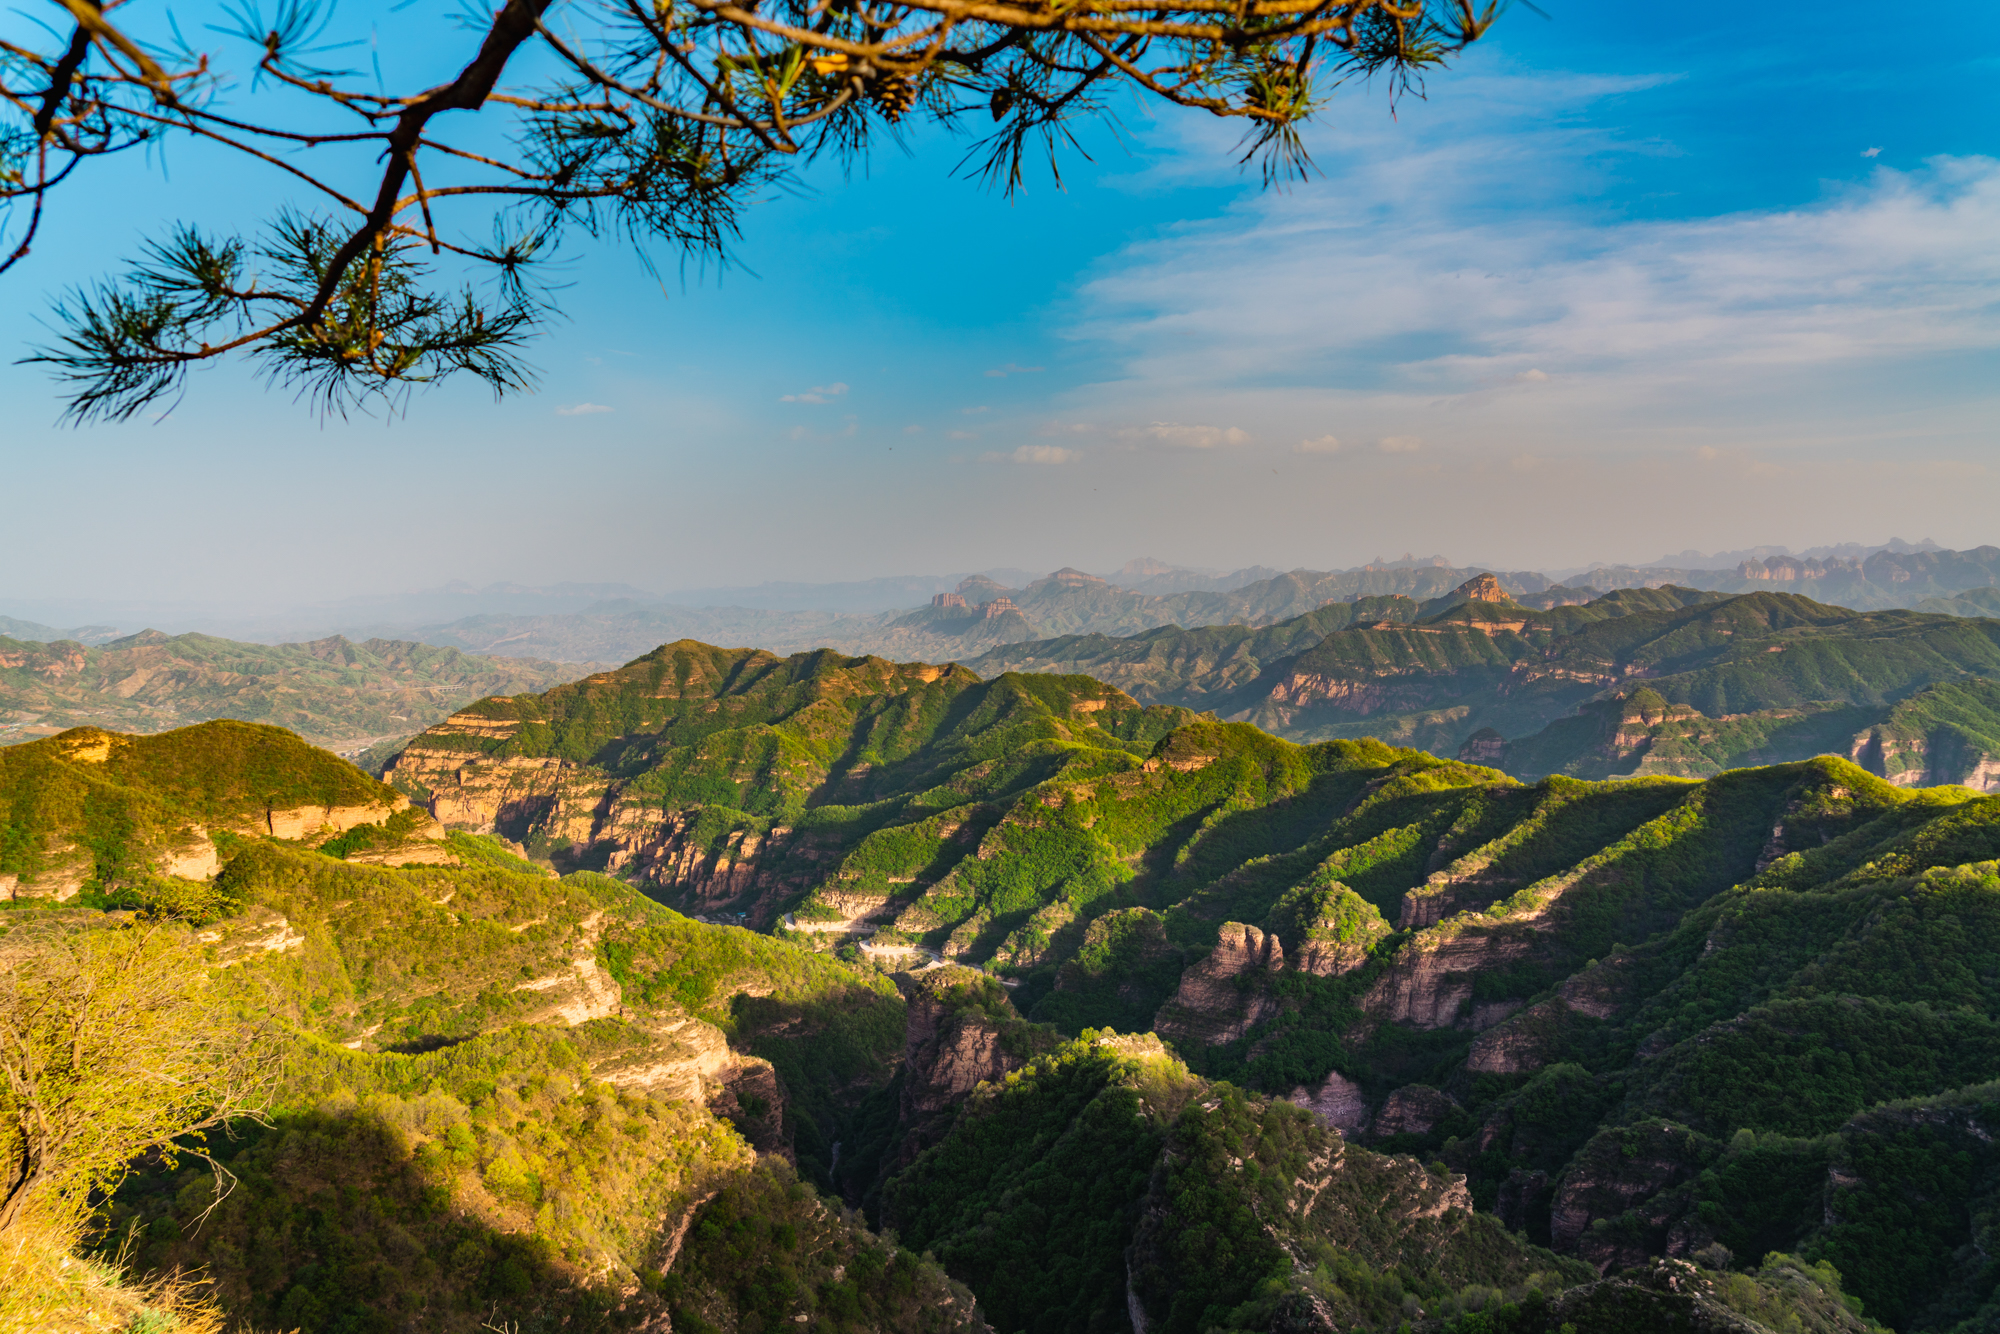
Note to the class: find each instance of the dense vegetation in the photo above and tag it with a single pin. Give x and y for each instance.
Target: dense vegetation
(1722, 681)
(1750, 1020)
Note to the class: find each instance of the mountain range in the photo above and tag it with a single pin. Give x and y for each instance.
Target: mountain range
(1148, 595)
(1666, 680)
(1282, 1038)
(341, 695)
(1642, 1018)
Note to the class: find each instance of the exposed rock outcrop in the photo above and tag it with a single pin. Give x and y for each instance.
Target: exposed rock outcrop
(1333, 929)
(583, 991)
(304, 822)
(1414, 1109)
(196, 859)
(1429, 982)
(1486, 746)
(1224, 996)
(1525, 1040)
(684, 1057)
(962, 1031)
(1336, 1100)
(1623, 1174)
(590, 821)
(746, 1093)
(1483, 588)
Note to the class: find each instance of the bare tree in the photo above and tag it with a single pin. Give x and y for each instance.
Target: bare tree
(110, 1048)
(661, 119)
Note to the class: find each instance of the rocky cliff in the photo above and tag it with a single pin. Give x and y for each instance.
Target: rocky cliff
(1225, 995)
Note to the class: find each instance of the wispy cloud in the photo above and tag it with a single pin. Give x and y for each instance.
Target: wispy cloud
(1036, 454)
(1176, 434)
(1319, 444)
(1450, 280)
(1400, 444)
(819, 393)
(1002, 372)
(581, 409)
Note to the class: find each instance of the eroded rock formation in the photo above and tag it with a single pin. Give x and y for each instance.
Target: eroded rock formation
(1223, 997)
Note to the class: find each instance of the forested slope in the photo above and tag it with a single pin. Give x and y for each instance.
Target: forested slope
(1649, 680)
(1522, 981)
(1281, 1036)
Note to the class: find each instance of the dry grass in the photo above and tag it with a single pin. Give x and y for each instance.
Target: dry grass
(48, 1287)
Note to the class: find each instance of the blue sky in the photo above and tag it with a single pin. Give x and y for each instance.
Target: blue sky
(1614, 289)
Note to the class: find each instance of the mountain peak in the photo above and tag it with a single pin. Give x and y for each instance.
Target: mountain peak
(1483, 588)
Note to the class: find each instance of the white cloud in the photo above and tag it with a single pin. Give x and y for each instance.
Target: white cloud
(1400, 444)
(819, 393)
(1901, 266)
(1324, 444)
(1187, 437)
(1465, 252)
(913, 429)
(1002, 372)
(1041, 454)
(1871, 152)
(1161, 433)
(581, 409)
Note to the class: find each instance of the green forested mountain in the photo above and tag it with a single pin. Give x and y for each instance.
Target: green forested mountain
(1880, 580)
(1968, 602)
(1427, 953)
(1234, 1033)
(1639, 681)
(331, 691)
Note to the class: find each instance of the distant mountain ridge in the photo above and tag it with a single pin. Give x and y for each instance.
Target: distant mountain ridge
(331, 691)
(1147, 595)
(1670, 680)
(1068, 601)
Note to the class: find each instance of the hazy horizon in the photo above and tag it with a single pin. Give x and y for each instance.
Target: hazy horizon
(1612, 290)
(390, 605)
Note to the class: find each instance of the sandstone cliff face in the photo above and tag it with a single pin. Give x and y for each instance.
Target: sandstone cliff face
(196, 859)
(592, 822)
(1336, 1100)
(305, 822)
(1625, 1174)
(1524, 1041)
(1429, 982)
(949, 1048)
(1331, 958)
(747, 1094)
(1486, 746)
(1483, 588)
(1921, 761)
(581, 992)
(1414, 1109)
(684, 1057)
(1223, 997)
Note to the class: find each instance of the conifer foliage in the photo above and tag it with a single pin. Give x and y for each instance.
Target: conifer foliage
(656, 122)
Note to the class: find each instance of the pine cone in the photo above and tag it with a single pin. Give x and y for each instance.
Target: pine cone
(895, 95)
